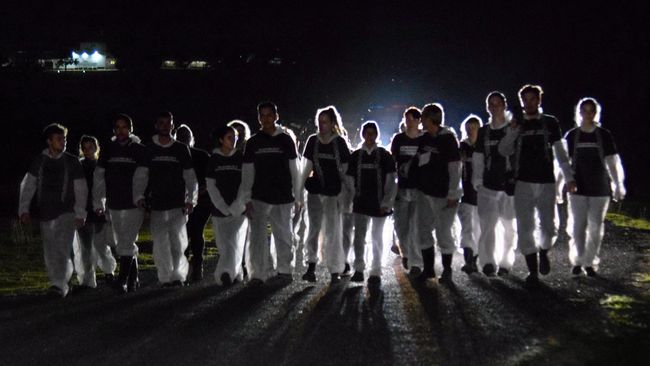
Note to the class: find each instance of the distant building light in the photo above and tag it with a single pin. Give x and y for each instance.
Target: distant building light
(169, 64)
(75, 55)
(112, 62)
(275, 61)
(96, 57)
(84, 56)
(198, 64)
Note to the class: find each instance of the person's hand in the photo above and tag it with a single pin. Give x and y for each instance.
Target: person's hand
(571, 187)
(451, 203)
(25, 219)
(384, 210)
(249, 210)
(141, 204)
(79, 222)
(619, 193)
(99, 211)
(189, 207)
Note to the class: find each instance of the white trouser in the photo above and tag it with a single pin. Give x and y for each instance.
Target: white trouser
(126, 225)
(279, 216)
(496, 245)
(230, 237)
(169, 243)
(325, 223)
(470, 226)
(587, 229)
(404, 216)
(348, 232)
(90, 247)
(377, 232)
(531, 198)
(58, 235)
(433, 213)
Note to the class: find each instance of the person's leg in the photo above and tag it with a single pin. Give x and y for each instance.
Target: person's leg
(377, 233)
(360, 231)
(470, 232)
(546, 208)
(84, 257)
(58, 235)
(577, 225)
(227, 236)
(258, 248)
(177, 234)
(506, 241)
(315, 215)
(348, 230)
(596, 216)
(195, 227)
(488, 211)
(402, 224)
(102, 237)
(280, 218)
(161, 246)
(333, 246)
(425, 224)
(443, 224)
(525, 213)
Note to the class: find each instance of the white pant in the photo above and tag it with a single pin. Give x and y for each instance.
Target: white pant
(230, 237)
(279, 216)
(325, 223)
(348, 232)
(496, 245)
(91, 246)
(58, 235)
(377, 233)
(126, 225)
(433, 213)
(169, 243)
(531, 199)
(587, 229)
(470, 226)
(405, 218)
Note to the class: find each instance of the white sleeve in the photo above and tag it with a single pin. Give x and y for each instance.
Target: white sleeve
(215, 196)
(140, 181)
(560, 151)
(455, 189)
(295, 179)
(27, 190)
(191, 186)
(80, 198)
(247, 179)
(307, 167)
(390, 191)
(99, 188)
(507, 144)
(617, 175)
(478, 165)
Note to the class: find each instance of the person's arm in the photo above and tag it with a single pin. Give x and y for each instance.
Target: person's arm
(216, 197)
(478, 165)
(140, 181)
(99, 189)
(191, 186)
(560, 152)
(617, 175)
(506, 146)
(80, 198)
(28, 188)
(296, 180)
(455, 190)
(390, 191)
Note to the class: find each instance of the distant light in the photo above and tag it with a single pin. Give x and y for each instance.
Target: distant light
(96, 57)
(75, 55)
(84, 56)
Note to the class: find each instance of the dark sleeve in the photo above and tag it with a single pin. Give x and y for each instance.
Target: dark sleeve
(185, 157)
(451, 149)
(308, 152)
(609, 146)
(77, 170)
(479, 146)
(344, 151)
(36, 165)
(103, 157)
(249, 150)
(209, 168)
(554, 132)
(290, 148)
(394, 146)
(570, 143)
(144, 156)
(388, 164)
(352, 166)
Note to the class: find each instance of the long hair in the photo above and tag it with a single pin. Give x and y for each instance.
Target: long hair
(92, 139)
(247, 131)
(334, 116)
(472, 118)
(221, 132)
(584, 101)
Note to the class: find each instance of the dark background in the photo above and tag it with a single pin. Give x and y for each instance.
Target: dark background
(368, 59)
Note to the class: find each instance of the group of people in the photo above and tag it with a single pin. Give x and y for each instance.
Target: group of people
(500, 182)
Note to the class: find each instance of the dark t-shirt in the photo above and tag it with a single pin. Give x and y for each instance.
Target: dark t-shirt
(590, 173)
(536, 155)
(325, 178)
(226, 171)
(404, 149)
(55, 184)
(200, 162)
(369, 172)
(166, 187)
(270, 157)
(89, 169)
(466, 154)
(120, 162)
(494, 164)
(433, 177)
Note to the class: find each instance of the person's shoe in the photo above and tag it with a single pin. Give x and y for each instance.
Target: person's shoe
(395, 249)
(357, 276)
(197, 274)
(374, 280)
(489, 270)
(446, 276)
(405, 263)
(532, 281)
(426, 275)
(255, 282)
(310, 275)
(336, 278)
(166, 285)
(544, 264)
(346, 271)
(414, 272)
(244, 271)
(225, 279)
(121, 284)
(502, 272)
(591, 272)
(178, 283)
(109, 278)
(133, 282)
(55, 292)
(470, 261)
(576, 270)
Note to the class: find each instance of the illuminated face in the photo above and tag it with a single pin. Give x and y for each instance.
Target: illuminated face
(429, 125)
(56, 143)
(89, 149)
(228, 141)
(530, 102)
(472, 130)
(164, 126)
(496, 106)
(267, 117)
(588, 113)
(121, 130)
(370, 136)
(411, 122)
(325, 125)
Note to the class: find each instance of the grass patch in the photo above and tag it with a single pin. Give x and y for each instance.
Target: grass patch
(625, 221)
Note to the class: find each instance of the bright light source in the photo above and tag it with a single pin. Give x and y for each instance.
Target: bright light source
(75, 55)
(84, 56)
(96, 57)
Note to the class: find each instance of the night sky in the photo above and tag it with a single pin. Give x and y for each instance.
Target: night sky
(356, 54)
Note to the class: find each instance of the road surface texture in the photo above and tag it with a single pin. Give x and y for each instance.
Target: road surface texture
(475, 321)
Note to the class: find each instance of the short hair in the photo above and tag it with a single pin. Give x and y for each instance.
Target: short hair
(267, 104)
(236, 122)
(469, 120)
(435, 112)
(188, 130)
(123, 117)
(333, 114)
(221, 132)
(54, 129)
(368, 125)
(165, 114)
(497, 94)
(413, 111)
(91, 139)
(530, 88)
(591, 101)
